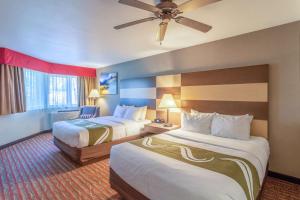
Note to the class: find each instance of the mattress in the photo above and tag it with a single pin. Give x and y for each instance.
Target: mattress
(76, 136)
(160, 177)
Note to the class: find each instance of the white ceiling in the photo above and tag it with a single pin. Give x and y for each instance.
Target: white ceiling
(80, 32)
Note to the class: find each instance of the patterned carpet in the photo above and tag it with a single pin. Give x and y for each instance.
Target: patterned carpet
(35, 169)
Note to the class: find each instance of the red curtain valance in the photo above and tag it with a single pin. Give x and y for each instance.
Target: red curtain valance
(17, 59)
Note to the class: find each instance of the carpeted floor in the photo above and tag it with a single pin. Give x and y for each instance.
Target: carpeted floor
(35, 169)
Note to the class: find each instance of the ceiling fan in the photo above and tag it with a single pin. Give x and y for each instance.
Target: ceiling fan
(166, 10)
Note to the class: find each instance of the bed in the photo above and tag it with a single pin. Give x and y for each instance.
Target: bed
(184, 164)
(74, 138)
(143, 173)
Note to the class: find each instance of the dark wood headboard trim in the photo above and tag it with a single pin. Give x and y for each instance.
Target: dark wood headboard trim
(239, 75)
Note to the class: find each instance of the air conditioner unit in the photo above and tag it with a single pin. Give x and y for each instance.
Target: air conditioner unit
(63, 115)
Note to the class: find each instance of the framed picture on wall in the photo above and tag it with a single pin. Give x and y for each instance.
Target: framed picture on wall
(108, 83)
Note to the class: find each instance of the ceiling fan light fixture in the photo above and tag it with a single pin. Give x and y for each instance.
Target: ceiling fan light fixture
(162, 31)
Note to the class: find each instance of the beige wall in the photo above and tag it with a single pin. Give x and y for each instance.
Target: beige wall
(278, 46)
(20, 125)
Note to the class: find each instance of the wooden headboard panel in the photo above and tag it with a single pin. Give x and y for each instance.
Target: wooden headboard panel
(231, 91)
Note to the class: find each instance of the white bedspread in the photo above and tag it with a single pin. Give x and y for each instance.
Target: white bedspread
(162, 178)
(76, 136)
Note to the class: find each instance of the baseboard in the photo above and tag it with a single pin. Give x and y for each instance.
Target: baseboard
(23, 139)
(285, 177)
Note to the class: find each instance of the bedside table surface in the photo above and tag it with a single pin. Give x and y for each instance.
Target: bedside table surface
(161, 126)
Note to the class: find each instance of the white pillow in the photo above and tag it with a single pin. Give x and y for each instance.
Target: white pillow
(196, 112)
(143, 112)
(132, 113)
(197, 122)
(230, 126)
(193, 112)
(119, 111)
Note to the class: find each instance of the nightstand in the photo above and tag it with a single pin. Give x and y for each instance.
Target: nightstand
(156, 128)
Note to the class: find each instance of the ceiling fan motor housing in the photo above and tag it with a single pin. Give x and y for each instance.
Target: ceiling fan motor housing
(166, 1)
(167, 5)
(168, 10)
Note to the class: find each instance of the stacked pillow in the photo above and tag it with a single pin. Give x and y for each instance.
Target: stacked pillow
(197, 122)
(228, 126)
(119, 111)
(131, 112)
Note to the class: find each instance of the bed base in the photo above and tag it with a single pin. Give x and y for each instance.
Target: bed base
(124, 189)
(90, 154)
(129, 193)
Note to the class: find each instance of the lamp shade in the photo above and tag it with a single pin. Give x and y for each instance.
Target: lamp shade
(94, 93)
(167, 101)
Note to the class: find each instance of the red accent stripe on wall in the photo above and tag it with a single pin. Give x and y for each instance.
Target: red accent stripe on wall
(17, 59)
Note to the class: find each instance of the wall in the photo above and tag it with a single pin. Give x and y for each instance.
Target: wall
(21, 125)
(277, 46)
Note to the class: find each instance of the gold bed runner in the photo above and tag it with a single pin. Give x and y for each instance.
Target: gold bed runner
(239, 169)
(98, 133)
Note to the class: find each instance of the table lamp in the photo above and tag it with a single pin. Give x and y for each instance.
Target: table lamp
(94, 94)
(167, 102)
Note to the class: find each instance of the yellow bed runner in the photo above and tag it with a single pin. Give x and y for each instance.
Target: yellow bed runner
(239, 169)
(98, 133)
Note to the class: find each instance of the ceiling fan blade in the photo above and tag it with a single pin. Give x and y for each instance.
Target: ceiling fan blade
(162, 31)
(134, 23)
(194, 4)
(140, 5)
(193, 24)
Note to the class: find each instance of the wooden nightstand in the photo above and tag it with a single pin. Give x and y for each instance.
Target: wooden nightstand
(155, 128)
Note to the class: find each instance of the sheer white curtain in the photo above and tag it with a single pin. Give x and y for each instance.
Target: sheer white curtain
(62, 91)
(35, 84)
(46, 91)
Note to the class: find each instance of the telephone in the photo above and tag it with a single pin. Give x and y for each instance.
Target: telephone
(160, 121)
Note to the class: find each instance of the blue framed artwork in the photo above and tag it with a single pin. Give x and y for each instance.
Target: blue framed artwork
(108, 83)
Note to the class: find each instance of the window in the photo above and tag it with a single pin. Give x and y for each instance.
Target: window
(35, 89)
(44, 91)
(62, 91)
